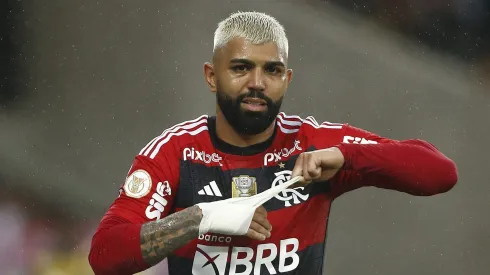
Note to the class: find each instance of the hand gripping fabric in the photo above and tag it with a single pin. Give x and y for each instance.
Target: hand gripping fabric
(233, 216)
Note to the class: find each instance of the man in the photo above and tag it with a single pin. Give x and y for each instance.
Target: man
(188, 197)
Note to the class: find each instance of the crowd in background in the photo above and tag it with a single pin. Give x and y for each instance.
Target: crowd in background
(457, 28)
(37, 238)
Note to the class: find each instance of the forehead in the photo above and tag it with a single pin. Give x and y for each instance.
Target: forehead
(240, 48)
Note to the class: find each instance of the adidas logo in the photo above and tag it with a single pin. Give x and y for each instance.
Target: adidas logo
(211, 190)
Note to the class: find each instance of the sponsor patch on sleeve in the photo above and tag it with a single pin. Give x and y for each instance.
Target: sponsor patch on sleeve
(138, 184)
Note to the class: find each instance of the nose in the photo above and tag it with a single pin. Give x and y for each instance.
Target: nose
(257, 80)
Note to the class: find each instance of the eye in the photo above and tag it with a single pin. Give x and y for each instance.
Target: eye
(274, 70)
(240, 68)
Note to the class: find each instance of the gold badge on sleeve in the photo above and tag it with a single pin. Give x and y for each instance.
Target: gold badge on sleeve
(138, 184)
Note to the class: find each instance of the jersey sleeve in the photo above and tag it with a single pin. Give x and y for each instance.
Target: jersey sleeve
(148, 191)
(412, 166)
(354, 135)
(147, 194)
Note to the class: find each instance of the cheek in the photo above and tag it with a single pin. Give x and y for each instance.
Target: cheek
(234, 86)
(277, 89)
(226, 78)
(229, 88)
(238, 81)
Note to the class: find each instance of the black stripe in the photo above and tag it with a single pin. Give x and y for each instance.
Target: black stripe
(194, 176)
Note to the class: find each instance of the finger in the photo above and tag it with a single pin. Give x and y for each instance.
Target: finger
(306, 174)
(262, 221)
(261, 210)
(255, 235)
(313, 167)
(296, 185)
(298, 167)
(260, 229)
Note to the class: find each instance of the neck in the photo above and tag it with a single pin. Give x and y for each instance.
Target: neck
(226, 133)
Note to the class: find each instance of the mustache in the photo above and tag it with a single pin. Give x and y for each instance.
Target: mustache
(254, 94)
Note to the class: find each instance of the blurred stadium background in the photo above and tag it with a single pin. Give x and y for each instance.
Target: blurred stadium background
(85, 84)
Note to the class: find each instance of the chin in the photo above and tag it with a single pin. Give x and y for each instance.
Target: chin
(254, 113)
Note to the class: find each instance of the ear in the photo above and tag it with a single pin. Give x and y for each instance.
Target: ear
(209, 76)
(289, 75)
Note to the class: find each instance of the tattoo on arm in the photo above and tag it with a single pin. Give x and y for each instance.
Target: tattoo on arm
(158, 239)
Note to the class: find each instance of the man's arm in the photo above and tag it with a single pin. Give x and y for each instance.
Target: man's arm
(160, 238)
(122, 247)
(411, 166)
(365, 159)
(145, 201)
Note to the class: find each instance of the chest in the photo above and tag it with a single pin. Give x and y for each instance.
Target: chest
(206, 177)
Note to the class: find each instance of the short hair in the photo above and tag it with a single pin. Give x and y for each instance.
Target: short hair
(256, 27)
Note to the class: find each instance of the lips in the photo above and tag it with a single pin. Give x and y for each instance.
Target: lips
(254, 101)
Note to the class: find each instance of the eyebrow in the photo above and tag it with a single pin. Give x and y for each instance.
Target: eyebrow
(251, 63)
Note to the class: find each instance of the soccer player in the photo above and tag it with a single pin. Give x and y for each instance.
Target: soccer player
(186, 198)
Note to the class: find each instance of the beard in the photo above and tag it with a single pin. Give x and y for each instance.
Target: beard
(248, 122)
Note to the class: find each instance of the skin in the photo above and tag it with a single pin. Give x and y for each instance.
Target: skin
(319, 165)
(241, 66)
(236, 68)
(158, 239)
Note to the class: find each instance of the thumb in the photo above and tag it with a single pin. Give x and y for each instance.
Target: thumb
(298, 167)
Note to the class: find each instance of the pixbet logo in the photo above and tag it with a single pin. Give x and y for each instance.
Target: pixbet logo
(358, 140)
(288, 195)
(191, 153)
(158, 202)
(283, 153)
(212, 260)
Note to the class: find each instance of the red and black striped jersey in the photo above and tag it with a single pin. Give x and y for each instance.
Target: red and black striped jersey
(187, 164)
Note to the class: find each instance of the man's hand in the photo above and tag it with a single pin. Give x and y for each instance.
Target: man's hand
(260, 228)
(319, 165)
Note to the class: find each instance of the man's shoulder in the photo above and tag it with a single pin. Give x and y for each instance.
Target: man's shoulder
(173, 136)
(311, 132)
(289, 123)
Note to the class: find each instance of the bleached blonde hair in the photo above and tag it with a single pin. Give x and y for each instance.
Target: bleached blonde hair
(256, 27)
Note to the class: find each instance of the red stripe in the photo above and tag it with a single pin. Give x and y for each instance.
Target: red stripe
(170, 130)
(290, 118)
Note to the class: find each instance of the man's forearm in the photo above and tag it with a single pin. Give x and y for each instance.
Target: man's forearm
(160, 238)
(120, 247)
(412, 166)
